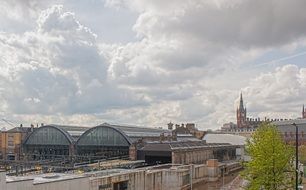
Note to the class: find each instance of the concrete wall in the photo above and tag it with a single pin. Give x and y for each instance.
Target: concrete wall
(73, 184)
(162, 177)
(2, 180)
(194, 156)
(20, 185)
(200, 172)
(173, 178)
(136, 180)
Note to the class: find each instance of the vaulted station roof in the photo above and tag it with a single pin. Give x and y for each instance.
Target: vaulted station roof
(104, 134)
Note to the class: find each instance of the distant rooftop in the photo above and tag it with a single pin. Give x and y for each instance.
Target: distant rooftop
(19, 129)
(135, 131)
(287, 125)
(74, 131)
(290, 122)
(225, 138)
(176, 145)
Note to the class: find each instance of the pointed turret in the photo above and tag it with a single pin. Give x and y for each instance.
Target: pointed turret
(303, 112)
(241, 107)
(241, 113)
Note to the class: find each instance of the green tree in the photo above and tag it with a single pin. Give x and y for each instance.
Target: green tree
(271, 165)
(302, 154)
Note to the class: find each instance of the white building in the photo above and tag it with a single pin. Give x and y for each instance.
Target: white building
(236, 140)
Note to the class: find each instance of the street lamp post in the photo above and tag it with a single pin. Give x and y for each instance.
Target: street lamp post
(223, 176)
(296, 156)
(190, 175)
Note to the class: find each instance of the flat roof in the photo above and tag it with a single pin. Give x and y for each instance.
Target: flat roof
(225, 138)
(178, 145)
(44, 178)
(136, 131)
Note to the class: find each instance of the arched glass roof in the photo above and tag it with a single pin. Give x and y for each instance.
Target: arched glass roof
(105, 134)
(49, 135)
(115, 135)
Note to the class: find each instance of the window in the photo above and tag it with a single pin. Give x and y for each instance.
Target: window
(10, 143)
(121, 185)
(105, 186)
(186, 179)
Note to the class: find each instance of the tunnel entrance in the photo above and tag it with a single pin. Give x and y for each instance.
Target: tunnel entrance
(152, 160)
(123, 185)
(153, 157)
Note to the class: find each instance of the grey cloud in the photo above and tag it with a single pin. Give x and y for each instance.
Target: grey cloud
(54, 19)
(58, 69)
(230, 23)
(39, 91)
(184, 65)
(199, 35)
(18, 16)
(281, 91)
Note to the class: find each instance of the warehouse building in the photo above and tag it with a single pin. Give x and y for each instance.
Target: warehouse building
(235, 140)
(182, 152)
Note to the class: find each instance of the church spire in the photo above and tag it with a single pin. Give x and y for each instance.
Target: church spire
(241, 107)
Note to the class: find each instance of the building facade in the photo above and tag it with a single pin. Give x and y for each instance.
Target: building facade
(11, 142)
(182, 152)
(288, 131)
(188, 128)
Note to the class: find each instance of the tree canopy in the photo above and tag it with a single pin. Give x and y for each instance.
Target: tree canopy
(302, 154)
(271, 165)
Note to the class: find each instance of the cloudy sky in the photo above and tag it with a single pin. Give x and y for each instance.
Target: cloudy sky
(149, 62)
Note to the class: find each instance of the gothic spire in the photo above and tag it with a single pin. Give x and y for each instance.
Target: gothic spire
(241, 102)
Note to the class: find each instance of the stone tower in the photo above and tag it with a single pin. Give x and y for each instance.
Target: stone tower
(170, 126)
(241, 114)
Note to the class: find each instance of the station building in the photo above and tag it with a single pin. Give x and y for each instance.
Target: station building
(75, 142)
(182, 152)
